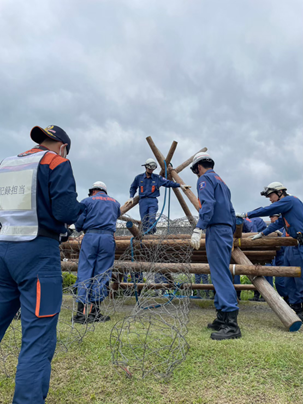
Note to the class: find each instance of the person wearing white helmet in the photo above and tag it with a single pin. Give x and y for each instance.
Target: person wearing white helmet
(97, 254)
(149, 190)
(291, 210)
(217, 217)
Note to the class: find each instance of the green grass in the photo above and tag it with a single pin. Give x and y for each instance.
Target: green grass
(264, 366)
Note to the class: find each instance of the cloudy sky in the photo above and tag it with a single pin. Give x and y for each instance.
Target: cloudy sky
(225, 74)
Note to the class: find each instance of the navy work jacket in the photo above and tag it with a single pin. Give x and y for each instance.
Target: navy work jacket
(291, 209)
(101, 212)
(215, 201)
(149, 187)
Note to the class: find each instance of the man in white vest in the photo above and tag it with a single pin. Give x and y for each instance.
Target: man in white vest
(37, 197)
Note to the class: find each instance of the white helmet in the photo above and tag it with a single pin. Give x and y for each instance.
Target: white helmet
(202, 156)
(98, 185)
(151, 164)
(273, 187)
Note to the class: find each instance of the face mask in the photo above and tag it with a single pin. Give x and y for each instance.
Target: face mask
(62, 151)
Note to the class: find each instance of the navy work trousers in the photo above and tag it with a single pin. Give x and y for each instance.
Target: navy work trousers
(97, 255)
(219, 242)
(30, 278)
(293, 256)
(148, 208)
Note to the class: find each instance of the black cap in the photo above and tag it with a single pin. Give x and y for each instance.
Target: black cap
(53, 132)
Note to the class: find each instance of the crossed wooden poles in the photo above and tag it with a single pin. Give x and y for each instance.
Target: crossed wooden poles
(288, 317)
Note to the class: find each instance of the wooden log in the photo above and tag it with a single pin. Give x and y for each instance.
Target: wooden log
(247, 243)
(189, 161)
(169, 156)
(288, 317)
(191, 196)
(133, 229)
(129, 219)
(188, 236)
(249, 269)
(160, 158)
(128, 206)
(194, 286)
(185, 208)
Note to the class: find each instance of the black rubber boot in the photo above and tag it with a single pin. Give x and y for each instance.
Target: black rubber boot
(230, 329)
(256, 297)
(218, 322)
(297, 308)
(80, 317)
(96, 316)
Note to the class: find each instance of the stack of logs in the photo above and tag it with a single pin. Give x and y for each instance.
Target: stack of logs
(248, 256)
(259, 252)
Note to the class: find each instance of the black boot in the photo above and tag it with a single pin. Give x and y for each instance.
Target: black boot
(256, 297)
(230, 329)
(80, 317)
(96, 316)
(218, 322)
(298, 310)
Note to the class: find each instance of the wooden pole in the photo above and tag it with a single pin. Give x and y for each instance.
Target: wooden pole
(160, 158)
(194, 286)
(191, 196)
(245, 269)
(169, 156)
(288, 317)
(188, 161)
(129, 219)
(126, 207)
(266, 243)
(133, 229)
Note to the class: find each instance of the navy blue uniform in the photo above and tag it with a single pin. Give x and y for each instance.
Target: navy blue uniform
(248, 226)
(258, 224)
(149, 191)
(97, 253)
(291, 209)
(30, 277)
(217, 216)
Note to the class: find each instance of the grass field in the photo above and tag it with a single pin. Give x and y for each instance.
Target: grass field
(264, 366)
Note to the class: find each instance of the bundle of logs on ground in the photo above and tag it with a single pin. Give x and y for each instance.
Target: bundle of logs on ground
(248, 257)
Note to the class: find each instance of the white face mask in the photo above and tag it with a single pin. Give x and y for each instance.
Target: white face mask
(62, 151)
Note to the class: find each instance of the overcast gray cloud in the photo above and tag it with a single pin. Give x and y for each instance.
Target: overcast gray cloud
(222, 74)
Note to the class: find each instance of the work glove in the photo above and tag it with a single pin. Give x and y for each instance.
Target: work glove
(259, 235)
(279, 233)
(242, 215)
(185, 187)
(196, 238)
(129, 201)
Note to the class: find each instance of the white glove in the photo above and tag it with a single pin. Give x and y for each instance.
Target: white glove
(279, 233)
(243, 215)
(259, 235)
(130, 200)
(185, 187)
(196, 238)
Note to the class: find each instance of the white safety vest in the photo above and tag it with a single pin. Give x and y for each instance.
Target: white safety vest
(18, 197)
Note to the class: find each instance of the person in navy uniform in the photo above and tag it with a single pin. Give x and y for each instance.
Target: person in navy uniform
(291, 210)
(217, 217)
(40, 199)
(97, 254)
(149, 190)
